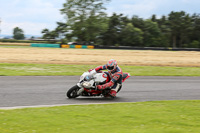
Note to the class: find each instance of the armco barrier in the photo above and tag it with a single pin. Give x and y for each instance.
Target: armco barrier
(77, 46)
(90, 47)
(45, 45)
(72, 46)
(65, 46)
(146, 48)
(84, 46)
(62, 46)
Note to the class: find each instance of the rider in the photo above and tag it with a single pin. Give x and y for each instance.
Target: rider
(115, 73)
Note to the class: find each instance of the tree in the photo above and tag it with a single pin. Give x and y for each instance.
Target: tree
(164, 26)
(186, 30)
(116, 23)
(152, 34)
(153, 18)
(86, 21)
(137, 22)
(61, 31)
(49, 35)
(85, 18)
(175, 19)
(196, 27)
(131, 35)
(181, 28)
(18, 33)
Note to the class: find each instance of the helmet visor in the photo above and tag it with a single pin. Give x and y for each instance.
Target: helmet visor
(110, 67)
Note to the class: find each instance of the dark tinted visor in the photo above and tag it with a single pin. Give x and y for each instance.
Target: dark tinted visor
(110, 67)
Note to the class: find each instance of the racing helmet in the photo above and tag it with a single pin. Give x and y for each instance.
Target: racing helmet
(111, 65)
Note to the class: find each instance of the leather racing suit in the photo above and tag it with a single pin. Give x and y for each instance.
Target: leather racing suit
(115, 79)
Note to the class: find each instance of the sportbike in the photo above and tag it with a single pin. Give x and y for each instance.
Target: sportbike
(88, 82)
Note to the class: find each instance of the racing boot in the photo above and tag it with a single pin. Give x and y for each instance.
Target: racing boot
(113, 93)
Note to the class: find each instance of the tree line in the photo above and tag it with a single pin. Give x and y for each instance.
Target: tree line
(87, 21)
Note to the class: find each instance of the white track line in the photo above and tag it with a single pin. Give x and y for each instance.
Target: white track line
(38, 106)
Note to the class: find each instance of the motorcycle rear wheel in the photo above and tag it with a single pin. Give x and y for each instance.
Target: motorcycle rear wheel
(72, 92)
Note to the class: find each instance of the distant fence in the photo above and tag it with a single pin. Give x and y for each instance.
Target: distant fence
(98, 47)
(62, 46)
(145, 48)
(77, 46)
(45, 45)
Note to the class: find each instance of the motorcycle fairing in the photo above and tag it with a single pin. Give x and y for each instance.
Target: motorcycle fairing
(125, 76)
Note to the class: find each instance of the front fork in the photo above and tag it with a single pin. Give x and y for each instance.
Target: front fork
(80, 90)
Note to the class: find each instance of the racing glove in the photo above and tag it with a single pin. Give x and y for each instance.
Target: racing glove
(90, 70)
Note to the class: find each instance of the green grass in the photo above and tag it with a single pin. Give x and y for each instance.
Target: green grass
(7, 69)
(141, 117)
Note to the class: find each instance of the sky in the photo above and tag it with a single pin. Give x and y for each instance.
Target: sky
(32, 16)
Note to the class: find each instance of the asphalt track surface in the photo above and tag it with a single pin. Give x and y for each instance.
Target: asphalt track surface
(20, 91)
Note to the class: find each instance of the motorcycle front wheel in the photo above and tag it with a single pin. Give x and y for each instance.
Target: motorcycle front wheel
(72, 92)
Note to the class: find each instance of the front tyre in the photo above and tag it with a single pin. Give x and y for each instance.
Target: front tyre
(72, 92)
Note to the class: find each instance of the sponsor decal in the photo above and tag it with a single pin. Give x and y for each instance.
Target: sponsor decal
(104, 75)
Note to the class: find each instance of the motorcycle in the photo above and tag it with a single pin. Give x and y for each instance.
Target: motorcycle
(88, 82)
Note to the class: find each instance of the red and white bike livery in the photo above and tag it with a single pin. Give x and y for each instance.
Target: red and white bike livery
(88, 82)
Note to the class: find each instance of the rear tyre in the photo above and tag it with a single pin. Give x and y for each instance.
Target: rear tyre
(72, 92)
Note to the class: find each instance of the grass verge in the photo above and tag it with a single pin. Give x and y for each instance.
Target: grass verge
(141, 117)
(7, 69)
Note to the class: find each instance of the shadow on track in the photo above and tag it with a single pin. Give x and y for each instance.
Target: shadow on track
(95, 99)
